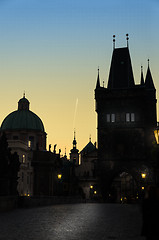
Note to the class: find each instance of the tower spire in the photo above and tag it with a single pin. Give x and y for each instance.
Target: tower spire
(142, 77)
(74, 140)
(149, 81)
(74, 134)
(98, 80)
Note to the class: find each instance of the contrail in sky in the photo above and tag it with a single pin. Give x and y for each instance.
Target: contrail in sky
(75, 113)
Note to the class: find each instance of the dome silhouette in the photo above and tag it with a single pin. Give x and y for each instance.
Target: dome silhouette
(23, 118)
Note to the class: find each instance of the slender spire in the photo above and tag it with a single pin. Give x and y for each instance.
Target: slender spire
(98, 80)
(127, 39)
(24, 94)
(65, 156)
(149, 81)
(74, 141)
(74, 134)
(90, 137)
(142, 77)
(113, 42)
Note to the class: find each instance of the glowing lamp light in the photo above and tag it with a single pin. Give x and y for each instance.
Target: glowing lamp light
(142, 188)
(143, 175)
(156, 133)
(91, 187)
(95, 192)
(59, 176)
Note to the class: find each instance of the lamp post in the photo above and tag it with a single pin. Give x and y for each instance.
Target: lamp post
(59, 177)
(143, 175)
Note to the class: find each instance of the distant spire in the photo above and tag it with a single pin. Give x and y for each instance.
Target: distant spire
(98, 80)
(74, 134)
(24, 94)
(113, 42)
(142, 77)
(90, 137)
(74, 141)
(103, 83)
(127, 39)
(148, 80)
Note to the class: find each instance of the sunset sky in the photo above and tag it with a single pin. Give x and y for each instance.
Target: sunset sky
(51, 49)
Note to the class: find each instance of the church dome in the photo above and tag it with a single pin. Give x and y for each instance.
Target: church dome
(22, 119)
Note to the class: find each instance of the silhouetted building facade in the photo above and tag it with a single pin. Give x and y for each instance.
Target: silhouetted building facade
(9, 167)
(25, 132)
(86, 171)
(126, 115)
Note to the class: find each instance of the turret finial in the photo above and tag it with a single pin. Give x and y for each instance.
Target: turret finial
(74, 134)
(142, 77)
(90, 138)
(113, 41)
(24, 94)
(148, 60)
(127, 39)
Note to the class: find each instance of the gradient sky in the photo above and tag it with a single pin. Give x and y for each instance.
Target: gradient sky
(51, 49)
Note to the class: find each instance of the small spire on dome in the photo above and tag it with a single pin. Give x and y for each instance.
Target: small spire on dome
(127, 39)
(24, 94)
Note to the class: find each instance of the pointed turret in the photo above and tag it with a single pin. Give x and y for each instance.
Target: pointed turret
(98, 80)
(142, 77)
(149, 81)
(121, 74)
(74, 155)
(74, 141)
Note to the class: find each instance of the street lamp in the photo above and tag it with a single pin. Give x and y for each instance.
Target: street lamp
(143, 175)
(91, 187)
(59, 176)
(156, 133)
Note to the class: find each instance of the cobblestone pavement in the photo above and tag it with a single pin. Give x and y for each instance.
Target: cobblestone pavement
(89, 221)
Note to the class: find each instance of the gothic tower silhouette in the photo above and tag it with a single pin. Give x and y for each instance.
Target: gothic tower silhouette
(126, 119)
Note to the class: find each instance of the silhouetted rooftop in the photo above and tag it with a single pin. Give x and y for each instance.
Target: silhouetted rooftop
(121, 74)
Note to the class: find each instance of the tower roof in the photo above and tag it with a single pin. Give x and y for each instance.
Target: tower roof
(149, 81)
(121, 74)
(90, 147)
